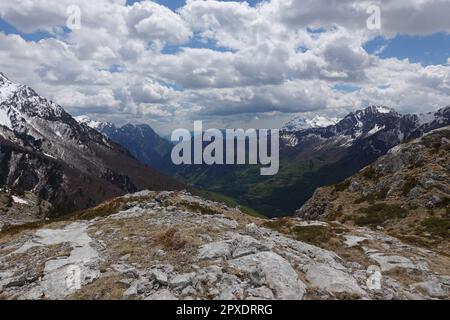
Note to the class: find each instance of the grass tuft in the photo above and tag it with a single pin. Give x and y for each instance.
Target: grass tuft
(437, 226)
(378, 214)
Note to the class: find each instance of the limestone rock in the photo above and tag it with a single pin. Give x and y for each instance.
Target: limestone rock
(275, 271)
(163, 294)
(332, 280)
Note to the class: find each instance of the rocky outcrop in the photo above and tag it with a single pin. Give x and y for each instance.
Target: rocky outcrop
(172, 245)
(406, 192)
(318, 206)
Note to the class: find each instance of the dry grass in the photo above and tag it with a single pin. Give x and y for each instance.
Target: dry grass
(104, 288)
(108, 208)
(328, 238)
(350, 254)
(199, 208)
(317, 294)
(171, 239)
(233, 271)
(378, 214)
(10, 232)
(144, 242)
(315, 235)
(405, 276)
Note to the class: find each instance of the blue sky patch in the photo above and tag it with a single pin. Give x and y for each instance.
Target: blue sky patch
(427, 50)
(176, 4)
(6, 28)
(198, 43)
(345, 87)
(114, 68)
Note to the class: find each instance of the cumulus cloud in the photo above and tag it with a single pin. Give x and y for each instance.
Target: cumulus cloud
(151, 92)
(154, 22)
(222, 60)
(397, 16)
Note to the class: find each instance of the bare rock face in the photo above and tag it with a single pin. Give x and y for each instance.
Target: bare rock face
(270, 269)
(172, 245)
(333, 280)
(318, 206)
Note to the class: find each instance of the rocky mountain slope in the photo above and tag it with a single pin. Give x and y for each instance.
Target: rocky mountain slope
(65, 165)
(315, 157)
(172, 245)
(406, 193)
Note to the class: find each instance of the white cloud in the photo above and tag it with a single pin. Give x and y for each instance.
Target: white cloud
(256, 61)
(151, 92)
(154, 22)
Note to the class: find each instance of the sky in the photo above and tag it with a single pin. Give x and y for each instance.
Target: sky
(250, 64)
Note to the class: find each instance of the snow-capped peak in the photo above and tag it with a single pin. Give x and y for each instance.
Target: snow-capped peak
(303, 123)
(440, 115)
(21, 102)
(425, 118)
(377, 110)
(7, 88)
(96, 125)
(383, 109)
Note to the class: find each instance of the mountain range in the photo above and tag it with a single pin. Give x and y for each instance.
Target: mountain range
(58, 164)
(372, 190)
(314, 152)
(47, 152)
(314, 157)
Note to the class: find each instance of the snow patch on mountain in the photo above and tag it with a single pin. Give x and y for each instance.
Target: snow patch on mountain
(376, 129)
(19, 200)
(379, 110)
(5, 119)
(382, 109)
(304, 123)
(7, 88)
(425, 118)
(50, 156)
(290, 140)
(96, 125)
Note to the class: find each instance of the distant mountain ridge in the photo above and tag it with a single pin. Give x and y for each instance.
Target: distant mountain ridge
(374, 119)
(140, 140)
(314, 157)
